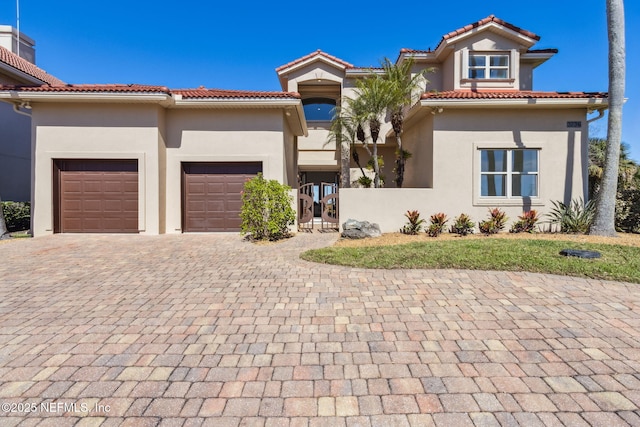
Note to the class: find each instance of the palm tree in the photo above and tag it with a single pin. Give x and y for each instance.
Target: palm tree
(402, 85)
(373, 95)
(604, 220)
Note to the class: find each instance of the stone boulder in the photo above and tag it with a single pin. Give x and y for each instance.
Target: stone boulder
(353, 229)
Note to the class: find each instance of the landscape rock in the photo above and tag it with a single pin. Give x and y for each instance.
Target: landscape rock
(353, 229)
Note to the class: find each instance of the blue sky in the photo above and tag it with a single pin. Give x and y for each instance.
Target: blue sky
(238, 44)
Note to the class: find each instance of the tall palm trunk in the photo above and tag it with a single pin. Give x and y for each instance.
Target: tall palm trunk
(374, 132)
(604, 221)
(345, 163)
(397, 120)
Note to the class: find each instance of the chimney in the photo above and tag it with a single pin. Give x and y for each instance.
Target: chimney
(9, 40)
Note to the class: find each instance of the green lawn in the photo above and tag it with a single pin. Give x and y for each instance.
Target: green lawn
(618, 262)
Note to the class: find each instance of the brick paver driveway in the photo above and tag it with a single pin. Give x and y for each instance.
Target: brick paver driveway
(211, 330)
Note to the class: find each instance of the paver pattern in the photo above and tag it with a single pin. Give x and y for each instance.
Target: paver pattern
(210, 330)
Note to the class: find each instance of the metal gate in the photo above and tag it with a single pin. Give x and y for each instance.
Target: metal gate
(318, 204)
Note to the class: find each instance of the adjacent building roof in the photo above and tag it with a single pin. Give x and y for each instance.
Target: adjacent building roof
(22, 65)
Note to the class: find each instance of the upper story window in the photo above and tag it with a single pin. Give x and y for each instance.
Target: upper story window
(319, 109)
(488, 66)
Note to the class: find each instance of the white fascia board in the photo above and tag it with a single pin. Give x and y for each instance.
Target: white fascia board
(154, 98)
(527, 103)
(20, 74)
(537, 58)
(363, 72)
(417, 56)
(236, 102)
(310, 61)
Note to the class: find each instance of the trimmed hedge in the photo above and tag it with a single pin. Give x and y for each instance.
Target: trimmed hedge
(17, 215)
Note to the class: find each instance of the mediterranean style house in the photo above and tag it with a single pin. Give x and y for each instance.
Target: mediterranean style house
(149, 159)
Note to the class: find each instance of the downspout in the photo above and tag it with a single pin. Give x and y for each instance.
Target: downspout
(600, 115)
(16, 108)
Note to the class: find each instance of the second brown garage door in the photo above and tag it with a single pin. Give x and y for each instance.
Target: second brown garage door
(212, 195)
(96, 196)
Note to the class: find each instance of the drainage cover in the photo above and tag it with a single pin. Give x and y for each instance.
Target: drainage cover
(580, 253)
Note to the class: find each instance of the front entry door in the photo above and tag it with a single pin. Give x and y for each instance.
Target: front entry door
(318, 200)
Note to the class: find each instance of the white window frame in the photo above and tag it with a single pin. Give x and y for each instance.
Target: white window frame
(495, 201)
(510, 173)
(487, 67)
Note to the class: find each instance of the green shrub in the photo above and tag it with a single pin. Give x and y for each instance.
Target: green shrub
(266, 209)
(365, 181)
(438, 223)
(462, 225)
(415, 223)
(628, 211)
(526, 223)
(576, 217)
(495, 223)
(17, 215)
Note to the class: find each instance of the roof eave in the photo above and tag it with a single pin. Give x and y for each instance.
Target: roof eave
(53, 96)
(21, 74)
(286, 70)
(447, 43)
(537, 58)
(363, 72)
(590, 103)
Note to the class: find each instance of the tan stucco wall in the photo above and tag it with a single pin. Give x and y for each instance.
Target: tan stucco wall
(315, 72)
(458, 134)
(418, 140)
(316, 151)
(388, 157)
(526, 76)
(221, 136)
(162, 169)
(290, 156)
(160, 140)
(91, 131)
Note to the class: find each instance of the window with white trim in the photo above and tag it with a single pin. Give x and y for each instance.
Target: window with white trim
(509, 173)
(487, 66)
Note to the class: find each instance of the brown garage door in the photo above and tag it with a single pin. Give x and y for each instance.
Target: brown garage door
(212, 195)
(96, 196)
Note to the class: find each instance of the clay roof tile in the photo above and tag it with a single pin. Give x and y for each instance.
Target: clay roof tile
(20, 64)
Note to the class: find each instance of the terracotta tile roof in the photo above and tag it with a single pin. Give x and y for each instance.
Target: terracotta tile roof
(135, 88)
(488, 19)
(311, 55)
(407, 50)
(91, 88)
(20, 64)
(222, 93)
(511, 95)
